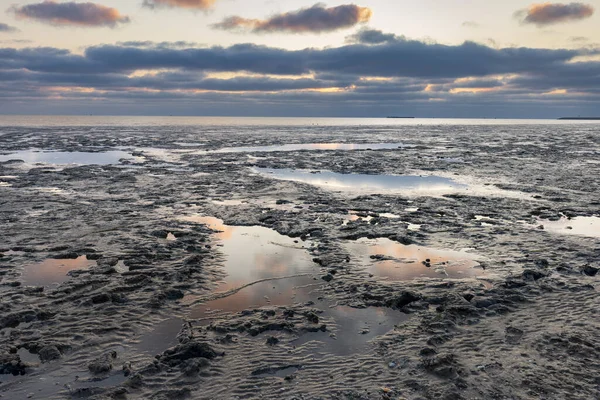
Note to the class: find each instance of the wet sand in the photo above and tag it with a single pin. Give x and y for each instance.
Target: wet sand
(356, 262)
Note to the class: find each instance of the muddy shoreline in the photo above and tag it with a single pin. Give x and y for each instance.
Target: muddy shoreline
(152, 309)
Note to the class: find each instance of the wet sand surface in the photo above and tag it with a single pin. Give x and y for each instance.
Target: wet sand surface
(300, 262)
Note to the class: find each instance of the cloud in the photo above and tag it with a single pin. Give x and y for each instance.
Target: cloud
(553, 13)
(7, 28)
(470, 24)
(371, 36)
(399, 57)
(164, 45)
(357, 79)
(315, 19)
(189, 4)
(71, 14)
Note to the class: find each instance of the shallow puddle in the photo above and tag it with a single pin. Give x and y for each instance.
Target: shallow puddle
(53, 272)
(354, 216)
(311, 146)
(362, 182)
(274, 292)
(368, 216)
(408, 185)
(281, 272)
(64, 157)
(280, 372)
(353, 329)
(397, 262)
(256, 253)
(580, 226)
(484, 221)
(28, 358)
(161, 338)
(229, 202)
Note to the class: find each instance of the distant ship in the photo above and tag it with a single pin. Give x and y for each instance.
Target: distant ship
(579, 119)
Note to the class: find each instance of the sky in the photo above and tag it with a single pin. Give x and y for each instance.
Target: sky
(369, 58)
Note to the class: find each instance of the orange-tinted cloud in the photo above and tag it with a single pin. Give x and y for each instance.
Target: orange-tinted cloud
(190, 4)
(315, 19)
(71, 13)
(553, 13)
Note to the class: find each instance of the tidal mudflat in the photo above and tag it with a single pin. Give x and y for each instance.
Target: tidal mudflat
(441, 261)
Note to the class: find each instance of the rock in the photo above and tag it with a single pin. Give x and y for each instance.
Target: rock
(103, 270)
(174, 294)
(105, 265)
(590, 271)
(404, 299)
(65, 256)
(190, 350)
(103, 364)
(161, 234)
(13, 320)
(127, 369)
(513, 335)
(442, 365)
(272, 341)
(57, 249)
(93, 256)
(312, 317)
(327, 278)
(193, 366)
(101, 298)
(49, 353)
(532, 275)
(427, 352)
(10, 364)
(484, 302)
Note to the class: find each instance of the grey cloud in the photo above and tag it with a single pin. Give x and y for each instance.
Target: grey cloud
(553, 13)
(399, 58)
(315, 19)
(371, 36)
(160, 45)
(71, 14)
(480, 83)
(402, 71)
(7, 28)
